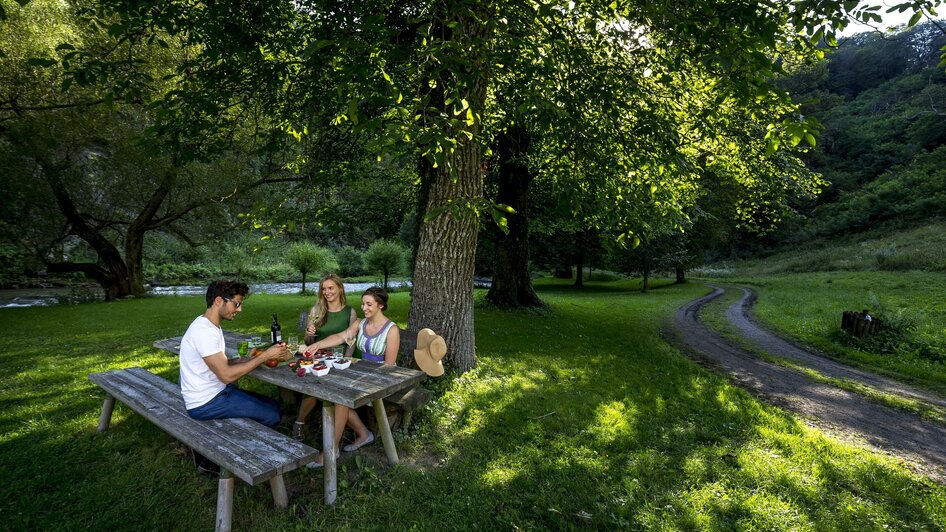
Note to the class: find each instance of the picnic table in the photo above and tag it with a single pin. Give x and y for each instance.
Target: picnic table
(362, 383)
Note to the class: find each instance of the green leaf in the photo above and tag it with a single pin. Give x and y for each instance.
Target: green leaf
(65, 46)
(914, 19)
(810, 139)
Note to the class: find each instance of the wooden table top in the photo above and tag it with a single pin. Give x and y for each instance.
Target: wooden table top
(359, 384)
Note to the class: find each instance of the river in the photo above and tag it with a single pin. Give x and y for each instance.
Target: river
(40, 297)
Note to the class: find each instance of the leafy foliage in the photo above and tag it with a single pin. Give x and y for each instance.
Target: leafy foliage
(386, 258)
(308, 258)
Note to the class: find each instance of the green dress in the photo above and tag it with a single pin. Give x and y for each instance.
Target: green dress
(335, 323)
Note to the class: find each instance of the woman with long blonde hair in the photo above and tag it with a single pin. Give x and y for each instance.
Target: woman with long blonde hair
(330, 314)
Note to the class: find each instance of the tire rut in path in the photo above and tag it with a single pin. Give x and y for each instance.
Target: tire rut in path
(901, 433)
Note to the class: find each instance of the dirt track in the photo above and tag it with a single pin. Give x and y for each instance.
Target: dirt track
(921, 443)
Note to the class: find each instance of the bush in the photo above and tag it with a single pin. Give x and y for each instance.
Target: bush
(351, 262)
(386, 258)
(899, 335)
(308, 258)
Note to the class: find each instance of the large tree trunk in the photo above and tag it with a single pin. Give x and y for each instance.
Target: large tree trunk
(442, 293)
(512, 284)
(580, 263)
(114, 279)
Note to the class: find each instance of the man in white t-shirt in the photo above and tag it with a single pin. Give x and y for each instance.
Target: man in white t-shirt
(208, 378)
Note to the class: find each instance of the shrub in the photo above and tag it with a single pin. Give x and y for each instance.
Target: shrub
(351, 262)
(308, 258)
(386, 258)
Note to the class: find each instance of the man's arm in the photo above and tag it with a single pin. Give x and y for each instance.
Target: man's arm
(227, 372)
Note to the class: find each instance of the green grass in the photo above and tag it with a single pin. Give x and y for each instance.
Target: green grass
(880, 249)
(713, 316)
(581, 418)
(808, 308)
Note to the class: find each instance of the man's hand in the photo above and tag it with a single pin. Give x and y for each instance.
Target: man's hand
(275, 352)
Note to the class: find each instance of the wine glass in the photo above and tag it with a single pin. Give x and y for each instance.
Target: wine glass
(350, 340)
(293, 345)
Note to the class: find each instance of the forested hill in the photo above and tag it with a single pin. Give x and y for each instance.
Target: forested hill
(882, 101)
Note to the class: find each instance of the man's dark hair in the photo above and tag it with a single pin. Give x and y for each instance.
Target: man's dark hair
(226, 289)
(379, 295)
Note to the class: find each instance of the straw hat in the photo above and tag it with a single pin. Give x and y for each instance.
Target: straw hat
(431, 348)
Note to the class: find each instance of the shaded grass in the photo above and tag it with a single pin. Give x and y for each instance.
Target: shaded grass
(580, 418)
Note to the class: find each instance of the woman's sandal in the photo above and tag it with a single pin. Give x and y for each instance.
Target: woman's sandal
(298, 428)
(358, 445)
(316, 465)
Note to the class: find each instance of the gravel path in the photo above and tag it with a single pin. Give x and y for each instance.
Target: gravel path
(920, 443)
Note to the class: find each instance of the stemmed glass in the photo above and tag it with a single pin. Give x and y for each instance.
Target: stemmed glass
(350, 340)
(293, 345)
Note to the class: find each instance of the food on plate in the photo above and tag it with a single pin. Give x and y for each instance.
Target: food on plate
(300, 372)
(306, 362)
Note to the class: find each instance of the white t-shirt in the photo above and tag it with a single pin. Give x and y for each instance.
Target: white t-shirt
(198, 384)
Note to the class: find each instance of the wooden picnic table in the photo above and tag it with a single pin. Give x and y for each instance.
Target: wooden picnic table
(361, 383)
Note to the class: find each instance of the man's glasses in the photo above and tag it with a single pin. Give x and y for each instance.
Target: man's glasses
(235, 302)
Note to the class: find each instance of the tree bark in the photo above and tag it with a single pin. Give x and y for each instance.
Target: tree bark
(512, 284)
(580, 263)
(681, 275)
(442, 293)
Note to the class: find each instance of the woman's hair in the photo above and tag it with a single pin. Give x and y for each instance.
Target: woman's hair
(379, 295)
(318, 314)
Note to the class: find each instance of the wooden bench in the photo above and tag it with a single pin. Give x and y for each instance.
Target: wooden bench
(241, 447)
(400, 407)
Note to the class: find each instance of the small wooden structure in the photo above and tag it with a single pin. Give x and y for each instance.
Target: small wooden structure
(859, 324)
(241, 447)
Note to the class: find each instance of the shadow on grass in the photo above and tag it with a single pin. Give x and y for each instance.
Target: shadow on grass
(583, 418)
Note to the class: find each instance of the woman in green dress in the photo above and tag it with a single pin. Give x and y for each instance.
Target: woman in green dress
(330, 314)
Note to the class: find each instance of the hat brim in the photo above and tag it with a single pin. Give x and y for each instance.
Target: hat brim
(427, 364)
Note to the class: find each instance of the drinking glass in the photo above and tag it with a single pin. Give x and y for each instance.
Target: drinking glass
(243, 348)
(257, 341)
(293, 345)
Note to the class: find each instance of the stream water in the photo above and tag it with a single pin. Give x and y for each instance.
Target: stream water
(40, 297)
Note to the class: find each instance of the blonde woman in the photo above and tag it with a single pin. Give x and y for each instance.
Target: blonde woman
(330, 314)
(378, 339)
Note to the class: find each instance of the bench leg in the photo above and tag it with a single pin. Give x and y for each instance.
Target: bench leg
(278, 485)
(225, 501)
(386, 437)
(328, 452)
(107, 408)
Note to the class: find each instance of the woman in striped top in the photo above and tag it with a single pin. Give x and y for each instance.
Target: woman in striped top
(378, 339)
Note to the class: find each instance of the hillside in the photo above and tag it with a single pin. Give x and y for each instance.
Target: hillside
(882, 101)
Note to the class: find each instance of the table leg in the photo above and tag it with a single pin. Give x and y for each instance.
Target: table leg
(386, 437)
(107, 408)
(224, 501)
(328, 452)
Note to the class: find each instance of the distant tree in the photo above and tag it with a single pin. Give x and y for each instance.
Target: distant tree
(386, 258)
(351, 262)
(309, 258)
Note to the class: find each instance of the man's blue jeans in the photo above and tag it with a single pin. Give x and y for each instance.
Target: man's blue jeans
(234, 402)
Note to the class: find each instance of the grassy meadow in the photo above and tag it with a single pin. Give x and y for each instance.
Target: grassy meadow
(808, 307)
(580, 418)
